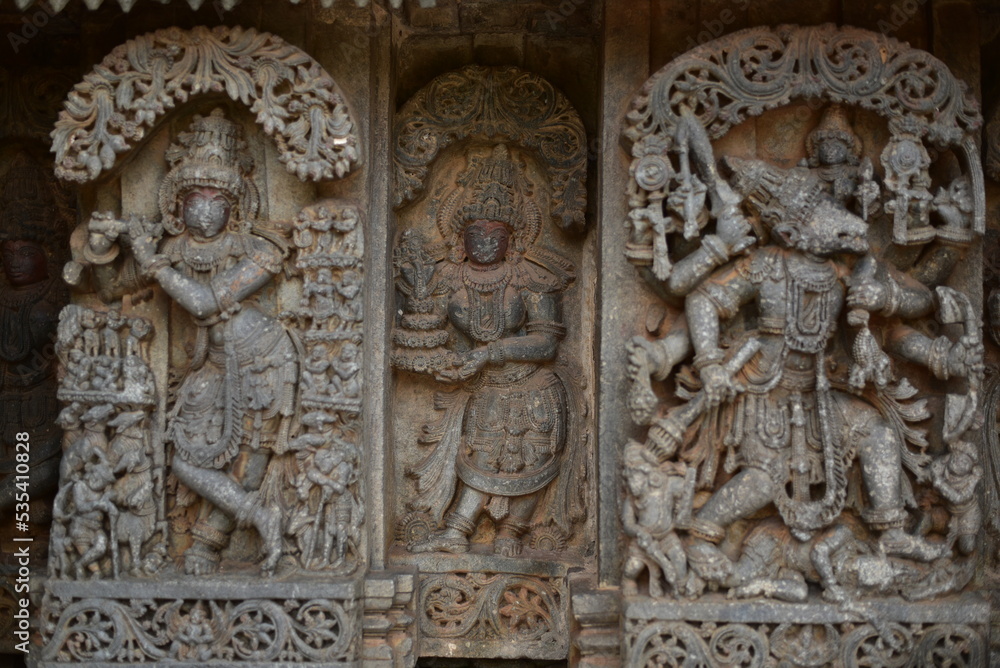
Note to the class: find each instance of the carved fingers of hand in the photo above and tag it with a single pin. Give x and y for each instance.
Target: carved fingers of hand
(867, 295)
(719, 385)
(143, 246)
(734, 229)
(474, 361)
(966, 357)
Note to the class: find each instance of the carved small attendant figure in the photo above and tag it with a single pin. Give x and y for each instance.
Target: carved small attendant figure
(133, 491)
(956, 476)
(345, 381)
(500, 441)
(235, 401)
(659, 499)
(835, 156)
(349, 289)
(85, 504)
(318, 296)
(315, 370)
(194, 636)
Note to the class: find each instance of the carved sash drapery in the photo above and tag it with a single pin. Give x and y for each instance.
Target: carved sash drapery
(503, 103)
(294, 99)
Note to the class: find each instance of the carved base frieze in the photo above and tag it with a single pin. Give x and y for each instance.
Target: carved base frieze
(222, 621)
(889, 632)
(483, 606)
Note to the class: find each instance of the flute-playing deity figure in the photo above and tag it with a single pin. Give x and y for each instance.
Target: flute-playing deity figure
(486, 318)
(235, 399)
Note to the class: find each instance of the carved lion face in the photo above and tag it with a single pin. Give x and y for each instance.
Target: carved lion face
(830, 230)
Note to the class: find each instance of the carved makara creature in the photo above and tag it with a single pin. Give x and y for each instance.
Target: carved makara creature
(770, 415)
(501, 439)
(234, 404)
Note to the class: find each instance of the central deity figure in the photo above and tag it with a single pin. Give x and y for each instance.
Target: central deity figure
(500, 441)
(791, 430)
(234, 404)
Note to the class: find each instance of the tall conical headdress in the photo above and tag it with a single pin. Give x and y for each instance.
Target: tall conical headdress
(492, 187)
(211, 154)
(834, 125)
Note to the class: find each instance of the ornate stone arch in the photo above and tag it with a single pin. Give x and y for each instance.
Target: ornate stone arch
(727, 80)
(504, 103)
(296, 102)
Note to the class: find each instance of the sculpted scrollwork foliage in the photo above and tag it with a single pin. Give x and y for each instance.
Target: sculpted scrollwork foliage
(139, 630)
(504, 103)
(484, 606)
(677, 643)
(293, 98)
(762, 69)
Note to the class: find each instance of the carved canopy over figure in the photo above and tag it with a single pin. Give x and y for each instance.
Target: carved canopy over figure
(500, 442)
(235, 401)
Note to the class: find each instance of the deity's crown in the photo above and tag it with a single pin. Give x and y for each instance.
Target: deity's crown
(493, 190)
(777, 195)
(212, 153)
(834, 125)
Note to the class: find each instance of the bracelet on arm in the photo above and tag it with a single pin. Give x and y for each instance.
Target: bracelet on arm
(498, 354)
(154, 264)
(893, 297)
(702, 360)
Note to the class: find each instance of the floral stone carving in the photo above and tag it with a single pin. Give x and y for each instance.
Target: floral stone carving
(800, 457)
(495, 102)
(294, 99)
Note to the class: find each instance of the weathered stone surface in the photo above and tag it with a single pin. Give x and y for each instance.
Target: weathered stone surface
(796, 453)
(809, 129)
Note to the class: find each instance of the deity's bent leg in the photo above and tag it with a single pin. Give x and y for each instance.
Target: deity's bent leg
(459, 523)
(230, 501)
(880, 456)
(746, 493)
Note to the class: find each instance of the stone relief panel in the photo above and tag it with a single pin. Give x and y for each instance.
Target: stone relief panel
(211, 367)
(492, 432)
(812, 395)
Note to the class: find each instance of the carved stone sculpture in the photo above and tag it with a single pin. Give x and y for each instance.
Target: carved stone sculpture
(492, 439)
(237, 396)
(106, 519)
(500, 441)
(800, 457)
(212, 421)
